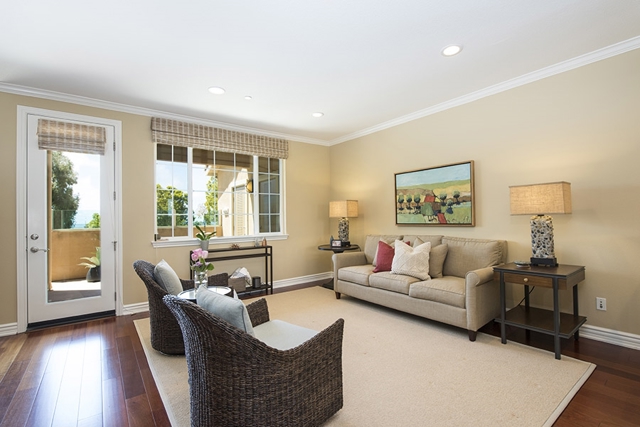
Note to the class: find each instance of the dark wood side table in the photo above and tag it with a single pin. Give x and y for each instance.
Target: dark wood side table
(339, 249)
(560, 325)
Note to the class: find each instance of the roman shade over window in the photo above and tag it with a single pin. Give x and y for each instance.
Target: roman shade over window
(173, 132)
(73, 137)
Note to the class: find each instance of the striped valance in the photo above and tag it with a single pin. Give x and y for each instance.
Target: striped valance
(173, 132)
(74, 137)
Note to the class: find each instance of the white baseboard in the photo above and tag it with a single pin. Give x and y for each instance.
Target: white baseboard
(609, 336)
(135, 308)
(8, 329)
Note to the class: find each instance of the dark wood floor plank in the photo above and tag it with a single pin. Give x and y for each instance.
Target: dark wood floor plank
(68, 403)
(153, 396)
(9, 385)
(9, 349)
(91, 383)
(43, 409)
(140, 412)
(131, 378)
(114, 406)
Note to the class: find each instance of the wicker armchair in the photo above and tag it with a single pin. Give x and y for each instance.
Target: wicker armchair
(237, 380)
(166, 336)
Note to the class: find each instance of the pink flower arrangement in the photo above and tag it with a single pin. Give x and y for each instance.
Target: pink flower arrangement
(198, 256)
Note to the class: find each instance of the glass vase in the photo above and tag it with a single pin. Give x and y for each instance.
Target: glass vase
(200, 278)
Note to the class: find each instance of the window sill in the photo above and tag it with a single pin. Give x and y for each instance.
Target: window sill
(184, 242)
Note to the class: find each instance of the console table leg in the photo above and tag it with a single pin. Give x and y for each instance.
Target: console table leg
(503, 311)
(575, 309)
(556, 319)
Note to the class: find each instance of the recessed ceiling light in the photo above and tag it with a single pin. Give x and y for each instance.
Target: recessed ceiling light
(451, 50)
(317, 114)
(248, 98)
(216, 90)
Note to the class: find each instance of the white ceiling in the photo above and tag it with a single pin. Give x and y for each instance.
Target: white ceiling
(367, 64)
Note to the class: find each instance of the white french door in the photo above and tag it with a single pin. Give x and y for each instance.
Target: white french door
(70, 252)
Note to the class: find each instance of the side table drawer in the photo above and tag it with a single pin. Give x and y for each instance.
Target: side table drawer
(531, 280)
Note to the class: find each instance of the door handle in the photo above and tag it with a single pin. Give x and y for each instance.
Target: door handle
(36, 250)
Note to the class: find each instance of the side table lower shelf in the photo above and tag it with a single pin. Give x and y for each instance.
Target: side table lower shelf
(541, 320)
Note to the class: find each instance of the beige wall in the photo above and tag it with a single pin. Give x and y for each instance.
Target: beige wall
(307, 183)
(582, 126)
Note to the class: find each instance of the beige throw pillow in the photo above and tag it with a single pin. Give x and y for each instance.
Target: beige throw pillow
(410, 261)
(167, 278)
(436, 257)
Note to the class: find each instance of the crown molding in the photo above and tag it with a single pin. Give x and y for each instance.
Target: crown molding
(571, 64)
(142, 111)
(577, 62)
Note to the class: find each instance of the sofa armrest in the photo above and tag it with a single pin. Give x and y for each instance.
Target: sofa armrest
(478, 277)
(482, 297)
(347, 259)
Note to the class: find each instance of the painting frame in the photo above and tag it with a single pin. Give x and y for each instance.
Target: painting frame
(436, 196)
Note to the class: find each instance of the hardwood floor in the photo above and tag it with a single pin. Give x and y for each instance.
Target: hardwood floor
(96, 374)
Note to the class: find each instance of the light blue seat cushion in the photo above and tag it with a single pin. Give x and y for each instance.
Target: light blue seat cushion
(228, 308)
(282, 335)
(167, 278)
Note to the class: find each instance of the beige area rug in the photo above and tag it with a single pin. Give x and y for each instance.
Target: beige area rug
(402, 370)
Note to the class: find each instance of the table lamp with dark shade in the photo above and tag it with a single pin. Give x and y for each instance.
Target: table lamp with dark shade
(540, 200)
(343, 209)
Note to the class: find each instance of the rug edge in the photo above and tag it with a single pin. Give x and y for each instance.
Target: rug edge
(570, 395)
(165, 399)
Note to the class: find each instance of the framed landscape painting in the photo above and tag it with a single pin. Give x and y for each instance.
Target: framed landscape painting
(441, 195)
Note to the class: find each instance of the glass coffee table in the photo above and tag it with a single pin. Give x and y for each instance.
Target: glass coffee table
(190, 294)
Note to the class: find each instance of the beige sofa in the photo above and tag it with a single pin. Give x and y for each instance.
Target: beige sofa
(460, 292)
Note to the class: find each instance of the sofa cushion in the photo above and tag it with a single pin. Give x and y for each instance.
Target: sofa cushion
(435, 239)
(228, 308)
(410, 261)
(371, 245)
(358, 274)
(436, 257)
(448, 290)
(167, 278)
(470, 254)
(282, 335)
(392, 282)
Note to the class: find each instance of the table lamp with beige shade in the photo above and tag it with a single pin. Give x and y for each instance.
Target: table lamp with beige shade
(540, 200)
(343, 209)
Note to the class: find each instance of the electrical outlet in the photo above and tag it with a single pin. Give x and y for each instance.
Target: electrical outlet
(601, 304)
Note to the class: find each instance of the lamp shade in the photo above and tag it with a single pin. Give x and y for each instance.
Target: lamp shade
(343, 209)
(537, 199)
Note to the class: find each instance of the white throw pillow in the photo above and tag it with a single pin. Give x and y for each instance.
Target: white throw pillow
(167, 278)
(410, 261)
(228, 308)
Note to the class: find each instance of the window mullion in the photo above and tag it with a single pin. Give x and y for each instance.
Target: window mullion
(254, 195)
(190, 191)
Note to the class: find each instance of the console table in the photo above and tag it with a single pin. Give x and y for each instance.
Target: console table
(244, 253)
(560, 325)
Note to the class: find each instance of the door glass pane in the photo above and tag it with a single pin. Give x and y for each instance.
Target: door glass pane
(74, 225)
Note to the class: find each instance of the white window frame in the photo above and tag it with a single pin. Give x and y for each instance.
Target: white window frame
(190, 241)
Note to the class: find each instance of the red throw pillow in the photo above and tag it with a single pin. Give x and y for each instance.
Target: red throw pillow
(384, 257)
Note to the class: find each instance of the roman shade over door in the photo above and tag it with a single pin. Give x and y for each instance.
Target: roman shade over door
(71, 137)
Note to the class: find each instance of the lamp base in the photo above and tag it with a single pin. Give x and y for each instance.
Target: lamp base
(544, 262)
(343, 229)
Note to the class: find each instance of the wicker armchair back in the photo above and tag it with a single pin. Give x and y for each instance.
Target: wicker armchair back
(166, 336)
(237, 380)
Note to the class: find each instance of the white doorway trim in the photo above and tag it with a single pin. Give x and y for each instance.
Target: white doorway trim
(21, 203)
